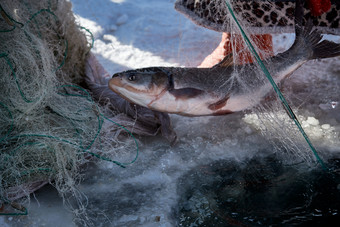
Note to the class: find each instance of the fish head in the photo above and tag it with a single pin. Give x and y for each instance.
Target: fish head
(140, 86)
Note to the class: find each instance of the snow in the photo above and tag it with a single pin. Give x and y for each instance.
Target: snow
(140, 33)
(312, 121)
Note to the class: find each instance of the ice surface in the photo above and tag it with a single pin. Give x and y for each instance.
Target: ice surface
(142, 33)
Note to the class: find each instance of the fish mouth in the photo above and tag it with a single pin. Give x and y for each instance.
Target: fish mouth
(117, 84)
(144, 97)
(115, 81)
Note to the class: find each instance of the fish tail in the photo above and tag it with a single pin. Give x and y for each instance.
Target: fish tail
(326, 49)
(308, 39)
(308, 42)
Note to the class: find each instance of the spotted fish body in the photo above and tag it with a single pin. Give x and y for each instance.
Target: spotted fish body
(222, 89)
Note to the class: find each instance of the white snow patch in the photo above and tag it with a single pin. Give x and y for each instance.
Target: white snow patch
(125, 56)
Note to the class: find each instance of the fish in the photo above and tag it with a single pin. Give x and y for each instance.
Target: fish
(137, 119)
(226, 87)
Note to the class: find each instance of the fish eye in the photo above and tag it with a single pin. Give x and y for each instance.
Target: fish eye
(132, 78)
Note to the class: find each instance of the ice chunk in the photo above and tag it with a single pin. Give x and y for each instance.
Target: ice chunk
(304, 124)
(325, 126)
(312, 121)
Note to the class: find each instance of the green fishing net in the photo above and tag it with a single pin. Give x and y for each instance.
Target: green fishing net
(50, 125)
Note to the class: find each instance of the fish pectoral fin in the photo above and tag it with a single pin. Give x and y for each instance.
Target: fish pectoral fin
(226, 62)
(166, 127)
(186, 93)
(219, 104)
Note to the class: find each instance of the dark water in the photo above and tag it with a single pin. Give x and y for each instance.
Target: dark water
(261, 192)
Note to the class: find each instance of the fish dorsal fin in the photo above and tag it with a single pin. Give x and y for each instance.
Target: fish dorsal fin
(226, 62)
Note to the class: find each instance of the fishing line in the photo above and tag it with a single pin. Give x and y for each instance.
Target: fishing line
(276, 89)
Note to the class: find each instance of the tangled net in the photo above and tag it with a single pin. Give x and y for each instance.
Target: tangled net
(50, 126)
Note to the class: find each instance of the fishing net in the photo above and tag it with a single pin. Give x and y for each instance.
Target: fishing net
(281, 116)
(50, 125)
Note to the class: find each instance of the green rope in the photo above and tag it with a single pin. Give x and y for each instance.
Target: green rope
(92, 38)
(41, 11)
(276, 89)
